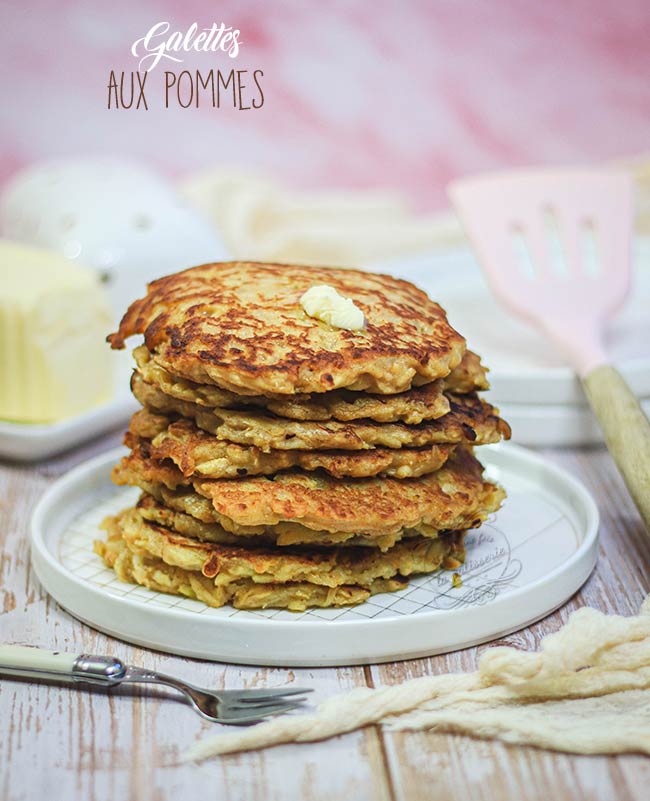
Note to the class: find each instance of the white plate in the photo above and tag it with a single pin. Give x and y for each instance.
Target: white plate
(554, 425)
(524, 367)
(28, 441)
(520, 566)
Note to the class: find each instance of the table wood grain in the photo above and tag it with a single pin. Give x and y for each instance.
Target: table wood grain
(62, 743)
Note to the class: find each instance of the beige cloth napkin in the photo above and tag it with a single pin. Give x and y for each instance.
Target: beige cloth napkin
(258, 219)
(586, 691)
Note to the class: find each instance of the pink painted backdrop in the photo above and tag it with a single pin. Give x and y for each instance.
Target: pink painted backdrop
(357, 94)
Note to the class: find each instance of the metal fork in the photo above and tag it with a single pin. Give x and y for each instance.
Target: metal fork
(235, 707)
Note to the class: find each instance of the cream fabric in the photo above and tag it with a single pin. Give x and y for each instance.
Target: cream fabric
(260, 220)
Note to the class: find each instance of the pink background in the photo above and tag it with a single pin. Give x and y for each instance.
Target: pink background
(357, 94)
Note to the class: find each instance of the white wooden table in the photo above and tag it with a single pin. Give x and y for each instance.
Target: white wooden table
(58, 743)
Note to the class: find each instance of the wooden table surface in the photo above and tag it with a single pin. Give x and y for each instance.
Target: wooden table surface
(59, 743)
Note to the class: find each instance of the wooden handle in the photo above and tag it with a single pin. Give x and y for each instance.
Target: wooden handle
(626, 430)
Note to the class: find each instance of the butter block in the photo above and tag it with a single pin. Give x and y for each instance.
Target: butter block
(54, 316)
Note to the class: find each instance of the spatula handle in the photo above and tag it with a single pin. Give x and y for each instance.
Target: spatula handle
(626, 430)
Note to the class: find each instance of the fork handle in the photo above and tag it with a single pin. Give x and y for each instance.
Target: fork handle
(626, 430)
(37, 663)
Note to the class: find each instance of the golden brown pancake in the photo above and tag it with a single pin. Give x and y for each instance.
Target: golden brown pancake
(195, 452)
(153, 509)
(470, 420)
(469, 376)
(227, 565)
(160, 577)
(454, 497)
(412, 407)
(240, 326)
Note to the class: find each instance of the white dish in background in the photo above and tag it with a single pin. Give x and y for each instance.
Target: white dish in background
(554, 425)
(524, 366)
(30, 441)
(521, 565)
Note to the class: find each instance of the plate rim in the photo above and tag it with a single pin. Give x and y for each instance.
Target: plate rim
(40, 430)
(87, 470)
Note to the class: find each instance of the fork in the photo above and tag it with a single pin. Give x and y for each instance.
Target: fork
(555, 248)
(235, 707)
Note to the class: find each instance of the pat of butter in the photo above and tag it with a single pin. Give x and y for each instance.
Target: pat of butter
(324, 303)
(54, 315)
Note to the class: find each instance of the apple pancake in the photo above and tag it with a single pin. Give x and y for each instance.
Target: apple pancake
(454, 497)
(153, 509)
(427, 402)
(197, 453)
(160, 577)
(228, 566)
(470, 420)
(240, 326)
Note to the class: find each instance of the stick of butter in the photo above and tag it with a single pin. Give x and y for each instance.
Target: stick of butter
(324, 303)
(54, 316)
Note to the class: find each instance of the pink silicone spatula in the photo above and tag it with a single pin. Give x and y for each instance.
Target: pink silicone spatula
(555, 248)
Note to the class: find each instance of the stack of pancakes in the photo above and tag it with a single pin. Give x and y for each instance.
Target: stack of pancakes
(285, 462)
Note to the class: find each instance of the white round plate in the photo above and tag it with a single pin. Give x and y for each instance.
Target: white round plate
(524, 366)
(521, 565)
